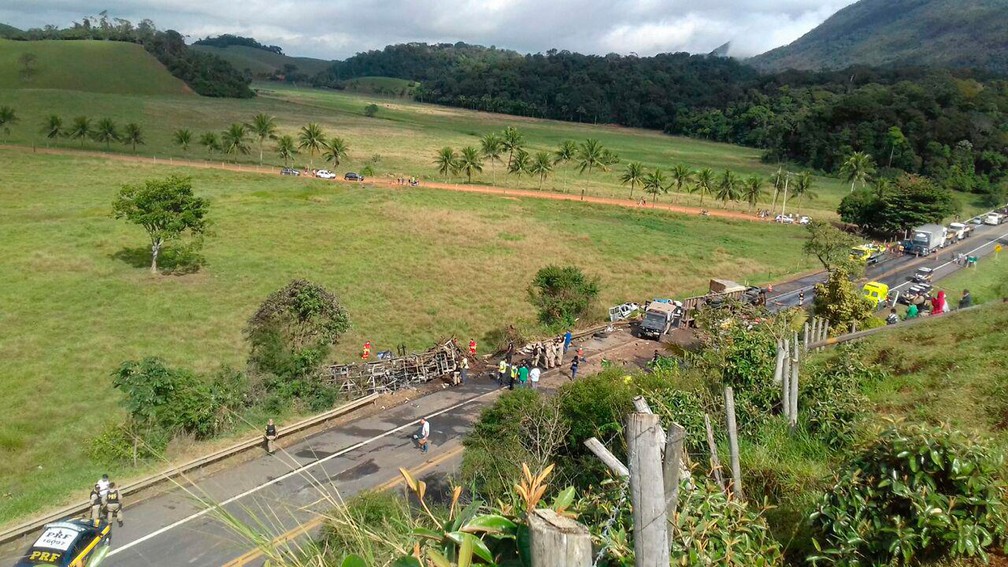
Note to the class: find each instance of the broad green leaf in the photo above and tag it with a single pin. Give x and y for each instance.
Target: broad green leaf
(353, 561)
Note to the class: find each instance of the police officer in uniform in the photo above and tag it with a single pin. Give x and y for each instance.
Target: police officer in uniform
(96, 503)
(113, 505)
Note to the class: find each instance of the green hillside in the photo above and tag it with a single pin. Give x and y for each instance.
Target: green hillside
(946, 33)
(9, 31)
(92, 66)
(263, 63)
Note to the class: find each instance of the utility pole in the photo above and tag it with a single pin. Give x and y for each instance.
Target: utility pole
(787, 178)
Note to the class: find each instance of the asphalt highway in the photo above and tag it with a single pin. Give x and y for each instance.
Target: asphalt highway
(273, 495)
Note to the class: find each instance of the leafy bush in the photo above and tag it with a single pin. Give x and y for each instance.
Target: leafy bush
(373, 525)
(838, 301)
(914, 494)
(115, 444)
(562, 295)
(831, 398)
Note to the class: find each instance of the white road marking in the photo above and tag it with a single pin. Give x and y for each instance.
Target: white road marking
(299, 470)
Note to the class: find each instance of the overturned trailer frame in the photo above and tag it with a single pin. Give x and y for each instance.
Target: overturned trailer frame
(396, 373)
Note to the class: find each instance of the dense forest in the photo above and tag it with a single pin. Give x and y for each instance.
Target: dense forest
(205, 73)
(228, 40)
(949, 125)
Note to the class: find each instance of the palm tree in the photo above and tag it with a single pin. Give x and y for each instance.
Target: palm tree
(132, 135)
(520, 164)
(858, 168)
(234, 140)
(263, 127)
(470, 161)
(704, 182)
(311, 138)
(752, 190)
(335, 151)
(447, 162)
(491, 147)
(591, 155)
(511, 141)
(286, 148)
(681, 177)
(609, 158)
(541, 165)
(105, 131)
(209, 141)
(654, 183)
(803, 188)
(7, 119)
(81, 129)
(183, 137)
(633, 174)
(727, 188)
(779, 180)
(52, 128)
(566, 152)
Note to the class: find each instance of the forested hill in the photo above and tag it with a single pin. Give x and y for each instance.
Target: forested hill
(414, 62)
(945, 33)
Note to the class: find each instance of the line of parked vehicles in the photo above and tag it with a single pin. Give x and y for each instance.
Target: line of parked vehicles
(929, 238)
(322, 174)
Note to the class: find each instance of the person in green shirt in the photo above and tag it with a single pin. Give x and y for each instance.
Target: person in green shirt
(523, 373)
(912, 311)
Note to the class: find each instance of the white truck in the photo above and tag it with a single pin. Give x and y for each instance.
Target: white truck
(928, 238)
(993, 219)
(958, 231)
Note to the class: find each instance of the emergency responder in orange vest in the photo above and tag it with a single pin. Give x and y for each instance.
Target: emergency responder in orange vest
(367, 351)
(113, 505)
(472, 347)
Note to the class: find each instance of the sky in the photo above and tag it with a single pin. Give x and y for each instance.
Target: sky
(336, 29)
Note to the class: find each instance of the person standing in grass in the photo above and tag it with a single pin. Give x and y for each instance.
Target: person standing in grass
(523, 374)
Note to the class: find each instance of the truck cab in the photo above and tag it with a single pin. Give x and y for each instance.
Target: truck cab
(659, 318)
(876, 293)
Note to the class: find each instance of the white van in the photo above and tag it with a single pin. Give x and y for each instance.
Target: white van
(992, 219)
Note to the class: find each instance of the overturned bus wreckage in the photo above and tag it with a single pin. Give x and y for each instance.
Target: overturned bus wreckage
(392, 373)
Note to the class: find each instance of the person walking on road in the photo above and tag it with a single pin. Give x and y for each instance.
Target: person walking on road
(966, 300)
(534, 377)
(574, 368)
(502, 369)
(96, 503)
(801, 297)
(422, 436)
(271, 435)
(512, 377)
(113, 505)
(464, 370)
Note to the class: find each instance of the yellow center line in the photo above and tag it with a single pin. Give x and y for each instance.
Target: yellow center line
(318, 520)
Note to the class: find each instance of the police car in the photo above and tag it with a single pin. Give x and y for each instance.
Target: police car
(71, 543)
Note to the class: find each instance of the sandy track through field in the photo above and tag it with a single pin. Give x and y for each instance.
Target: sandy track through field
(388, 183)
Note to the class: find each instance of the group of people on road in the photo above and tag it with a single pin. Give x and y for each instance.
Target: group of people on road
(545, 355)
(106, 501)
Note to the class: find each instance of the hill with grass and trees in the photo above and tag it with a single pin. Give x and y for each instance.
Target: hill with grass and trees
(261, 61)
(205, 73)
(86, 65)
(933, 33)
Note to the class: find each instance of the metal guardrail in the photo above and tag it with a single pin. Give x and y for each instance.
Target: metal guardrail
(21, 530)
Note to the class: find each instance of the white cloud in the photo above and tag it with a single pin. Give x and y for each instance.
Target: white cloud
(335, 29)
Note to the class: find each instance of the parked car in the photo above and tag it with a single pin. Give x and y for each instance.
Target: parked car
(351, 176)
(993, 219)
(804, 220)
(289, 171)
(976, 220)
(70, 543)
(784, 219)
(325, 174)
(923, 275)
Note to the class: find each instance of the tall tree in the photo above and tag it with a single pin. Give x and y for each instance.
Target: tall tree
(80, 129)
(335, 151)
(52, 128)
(447, 162)
(470, 162)
(752, 190)
(565, 153)
(803, 188)
(541, 165)
(263, 127)
(858, 168)
(562, 295)
(654, 184)
(106, 131)
(727, 187)
(210, 141)
(491, 147)
(234, 140)
(512, 141)
(132, 135)
(591, 155)
(166, 208)
(704, 183)
(682, 176)
(183, 137)
(311, 138)
(286, 148)
(7, 119)
(633, 174)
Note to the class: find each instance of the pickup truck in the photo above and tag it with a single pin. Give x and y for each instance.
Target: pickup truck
(958, 231)
(993, 219)
(659, 318)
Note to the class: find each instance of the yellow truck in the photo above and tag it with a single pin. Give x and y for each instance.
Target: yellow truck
(867, 253)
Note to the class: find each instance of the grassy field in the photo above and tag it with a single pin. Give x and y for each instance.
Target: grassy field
(263, 62)
(987, 282)
(92, 66)
(412, 266)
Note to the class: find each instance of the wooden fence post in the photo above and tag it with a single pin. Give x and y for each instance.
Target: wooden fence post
(736, 468)
(806, 334)
(779, 363)
(558, 541)
(786, 377)
(641, 405)
(647, 491)
(607, 458)
(715, 463)
(793, 398)
(671, 469)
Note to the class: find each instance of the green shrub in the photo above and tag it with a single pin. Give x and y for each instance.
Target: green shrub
(374, 525)
(562, 295)
(914, 494)
(114, 445)
(831, 398)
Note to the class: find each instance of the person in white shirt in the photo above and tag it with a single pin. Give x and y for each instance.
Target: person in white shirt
(422, 436)
(534, 376)
(103, 485)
